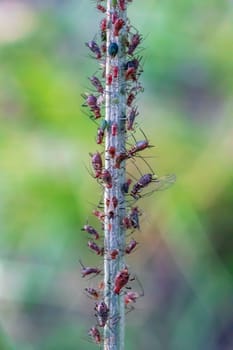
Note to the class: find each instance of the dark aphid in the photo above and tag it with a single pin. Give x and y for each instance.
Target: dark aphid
(144, 181)
(118, 25)
(125, 186)
(97, 163)
(86, 271)
(97, 84)
(100, 136)
(114, 202)
(121, 280)
(134, 217)
(134, 42)
(130, 99)
(139, 146)
(94, 48)
(113, 49)
(130, 247)
(102, 313)
(107, 178)
(94, 247)
(95, 335)
(131, 117)
(91, 101)
(90, 229)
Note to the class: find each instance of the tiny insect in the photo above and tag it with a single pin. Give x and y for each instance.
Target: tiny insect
(100, 136)
(134, 42)
(109, 79)
(112, 151)
(122, 5)
(102, 313)
(115, 71)
(95, 248)
(130, 99)
(125, 186)
(114, 129)
(95, 335)
(97, 163)
(121, 280)
(99, 214)
(131, 117)
(86, 271)
(92, 293)
(131, 246)
(97, 84)
(92, 45)
(101, 8)
(113, 254)
(113, 49)
(160, 183)
(103, 25)
(107, 178)
(118, 25)
(90, 229)
(120, 157)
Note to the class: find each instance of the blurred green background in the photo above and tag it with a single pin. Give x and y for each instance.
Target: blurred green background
(185, 259)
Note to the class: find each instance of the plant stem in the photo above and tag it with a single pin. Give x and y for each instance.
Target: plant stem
(114, 233)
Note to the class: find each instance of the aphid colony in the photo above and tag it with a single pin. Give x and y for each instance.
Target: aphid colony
(124, 42)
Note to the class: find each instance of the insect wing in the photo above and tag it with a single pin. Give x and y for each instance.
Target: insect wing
(160, 184)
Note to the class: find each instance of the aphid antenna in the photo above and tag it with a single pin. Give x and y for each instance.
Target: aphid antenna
(144, 160)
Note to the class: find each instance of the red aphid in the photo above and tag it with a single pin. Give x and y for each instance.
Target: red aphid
(131, 297)
(101, 8)
(118, 26)
(121, 280)
(93, 293)
(114, 17)
(96, 111)
(107, 178)
(135, 41)
(99, 214)
(95, 335)
(93, 246)
(121, 4)
(90, 229)
(139, 146)
(126, 222)
(97, 84)
(130, 247)
(86, 271)
(115, 71)
(113, 254)
(109, 79)
(112, 151)
(114, 129)
(97, 163)
(103, 25)
(120, 157)
(130, 99)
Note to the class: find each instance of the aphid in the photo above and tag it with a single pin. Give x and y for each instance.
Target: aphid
(100, 136)
(113, 254)
(114, 129)
(113, 49)
(115, 71)
(97, 84)
(121, 4)
(91, 101)
(90, 229)
(99, 214)
(94, 48)
(120, 157)
(139, 146)
(109, 79)
(93, 246)
(104, 49)
(96, 111)
(118, 26)
(160, 183)
(126, 222)
(131, 117)
(134, 42)
(92, 292)
(107, 178)
(131, 68)
(95, 335)
(102, 313)
(103, 25)
(130, 247)
(131, 296)
(114, 201)
(125, 186)
(112, 151)
(97, 163)
(134, 217)
(130, 99)
(101, 8)
(86, 271)
(121, 280)
(114, 17)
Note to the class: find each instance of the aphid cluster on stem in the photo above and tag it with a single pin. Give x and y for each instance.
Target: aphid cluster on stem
(111, 101)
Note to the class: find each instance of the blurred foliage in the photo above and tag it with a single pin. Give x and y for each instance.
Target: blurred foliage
(185, 259)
